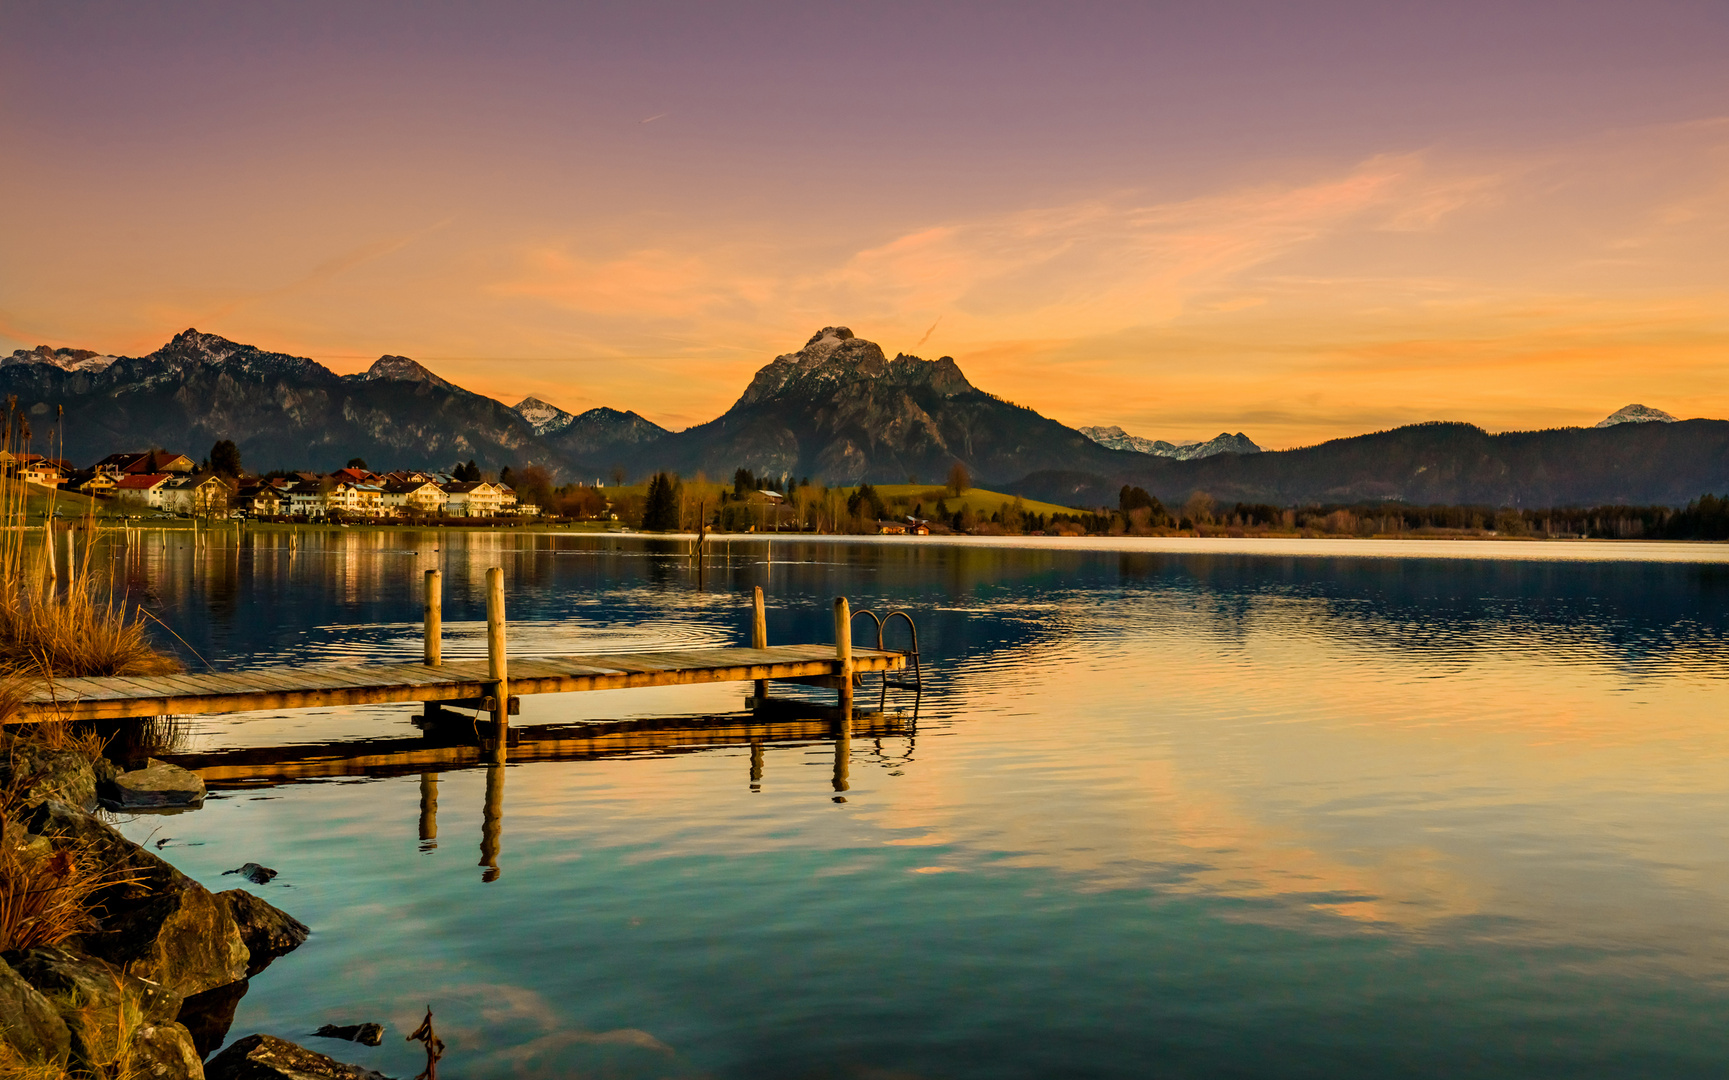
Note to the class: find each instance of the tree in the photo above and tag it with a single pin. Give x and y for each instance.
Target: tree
(507, 478)
(743, 483)
(618, 476)
(467, 473)
(960, 481)
(225, 458)
(534, 485)
(660, 509)
(866, 503)
(356, 463)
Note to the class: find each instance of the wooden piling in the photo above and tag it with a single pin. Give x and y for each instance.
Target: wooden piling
(48, 553)
(843, 653)
(759, 639)
(496, 667)
(433, 629)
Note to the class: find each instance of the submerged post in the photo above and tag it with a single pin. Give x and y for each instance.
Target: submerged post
(434, 628)
(759, 639)
(496, 668)
(843, 653)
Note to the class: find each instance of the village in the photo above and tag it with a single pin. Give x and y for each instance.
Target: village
(170, 483)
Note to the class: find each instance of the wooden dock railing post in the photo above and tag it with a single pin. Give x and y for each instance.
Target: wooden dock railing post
(843, 653)
(759, 640)
(434, 628)
(496, 667)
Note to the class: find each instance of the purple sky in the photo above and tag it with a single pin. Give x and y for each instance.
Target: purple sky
(1176, 218)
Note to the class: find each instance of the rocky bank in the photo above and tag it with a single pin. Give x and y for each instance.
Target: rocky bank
(151, 990)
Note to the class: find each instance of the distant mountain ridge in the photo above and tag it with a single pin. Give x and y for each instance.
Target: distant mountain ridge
(1222, 443)
(837, 409)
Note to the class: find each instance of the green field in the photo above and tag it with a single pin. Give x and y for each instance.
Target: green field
(979, 500)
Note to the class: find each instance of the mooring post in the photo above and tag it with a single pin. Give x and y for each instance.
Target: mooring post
(759, 639)
(843, 653)
(433, 630)
(496, 668)
(48, 573)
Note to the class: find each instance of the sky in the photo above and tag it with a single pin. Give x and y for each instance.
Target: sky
(1297, 220)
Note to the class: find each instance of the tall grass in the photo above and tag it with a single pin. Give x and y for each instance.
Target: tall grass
(59, 621)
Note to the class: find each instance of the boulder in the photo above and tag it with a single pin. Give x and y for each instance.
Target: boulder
(209, 1015)
(366, 1034)
(258, 875)
(164, 926)
(265, 1057)
(165, 1052)
(29, 1022)
(158, 785)
(41, 773)
(268, 932)
(105, 1010)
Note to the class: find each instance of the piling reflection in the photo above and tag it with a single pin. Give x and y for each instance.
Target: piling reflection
(842, 755)
(492, 823)
(428, 811)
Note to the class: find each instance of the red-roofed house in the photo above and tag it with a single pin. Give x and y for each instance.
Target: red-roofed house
(142, 490)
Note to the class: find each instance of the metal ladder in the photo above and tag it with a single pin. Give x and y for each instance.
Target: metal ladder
(917, 685)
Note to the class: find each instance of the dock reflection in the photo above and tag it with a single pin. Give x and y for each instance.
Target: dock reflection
(450, 742)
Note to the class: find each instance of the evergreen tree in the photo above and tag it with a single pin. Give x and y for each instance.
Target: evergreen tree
(660, 508)
(225, 458)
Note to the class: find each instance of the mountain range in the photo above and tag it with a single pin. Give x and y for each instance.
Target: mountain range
(839, 409)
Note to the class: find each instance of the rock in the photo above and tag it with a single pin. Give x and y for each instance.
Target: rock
(29, 1022)
(41, 773)
(268, 932)
(209, 1015)
(104, 1008)
(258, 875)
(165, 1052)
(367, 1034)
(265, 1057)
(163, 927)
(156, 786)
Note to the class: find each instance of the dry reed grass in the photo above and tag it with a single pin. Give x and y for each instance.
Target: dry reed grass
(59, 621)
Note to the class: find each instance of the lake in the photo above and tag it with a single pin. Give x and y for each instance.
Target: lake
(1188, 809)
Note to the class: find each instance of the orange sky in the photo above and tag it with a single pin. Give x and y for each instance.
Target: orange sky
(644, 230)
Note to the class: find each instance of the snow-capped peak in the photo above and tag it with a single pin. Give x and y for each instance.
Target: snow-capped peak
(543, 417)
(1636, 414)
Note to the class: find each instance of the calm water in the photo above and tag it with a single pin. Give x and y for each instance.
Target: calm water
(1184, 813)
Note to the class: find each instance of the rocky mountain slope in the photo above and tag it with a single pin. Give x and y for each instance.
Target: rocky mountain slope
(281, 410)
(606, 437)
(839, 409)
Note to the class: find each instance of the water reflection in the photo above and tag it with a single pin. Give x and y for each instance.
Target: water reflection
(1233, 812)
(492, 824)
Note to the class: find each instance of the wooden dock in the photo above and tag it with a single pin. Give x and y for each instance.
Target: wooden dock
(461, 680)
(492, 684)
